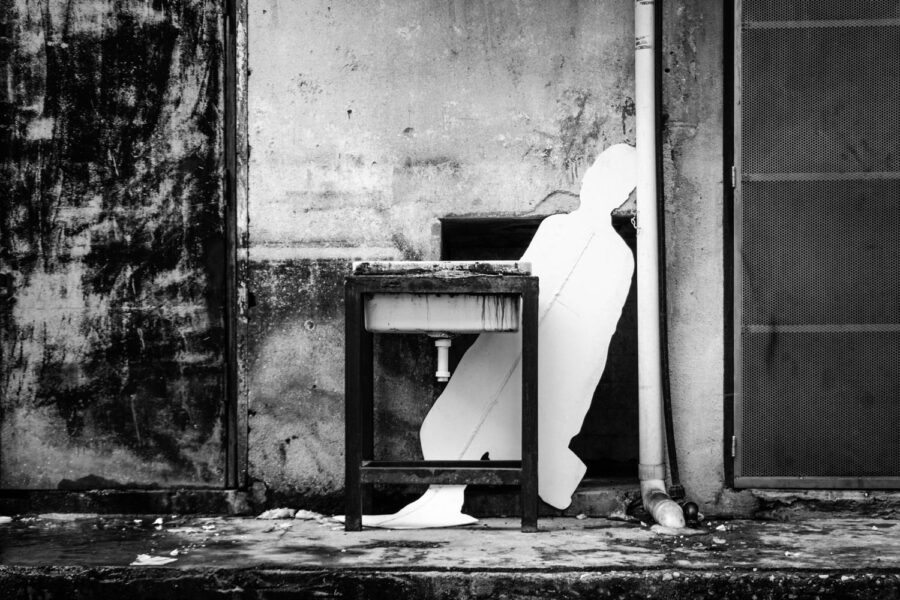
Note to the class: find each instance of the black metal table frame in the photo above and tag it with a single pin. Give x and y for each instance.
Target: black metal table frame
(362, 470)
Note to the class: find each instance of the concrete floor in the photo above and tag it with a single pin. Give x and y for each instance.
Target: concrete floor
(91, 556)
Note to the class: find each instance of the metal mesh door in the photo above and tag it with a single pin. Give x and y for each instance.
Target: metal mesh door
(817, 270)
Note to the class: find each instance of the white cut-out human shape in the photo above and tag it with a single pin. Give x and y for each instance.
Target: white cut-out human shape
(585, 271)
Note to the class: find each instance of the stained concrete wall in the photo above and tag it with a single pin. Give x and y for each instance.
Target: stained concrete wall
(693, 97)
(111, 244)
(368, 123)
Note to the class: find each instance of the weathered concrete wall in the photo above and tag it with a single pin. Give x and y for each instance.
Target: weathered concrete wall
(111, 244)
(693, 55)
(368, 123)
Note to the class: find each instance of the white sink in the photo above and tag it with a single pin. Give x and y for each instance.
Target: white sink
(435, 313)
(442, 313)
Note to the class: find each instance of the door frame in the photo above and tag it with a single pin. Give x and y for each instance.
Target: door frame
(235, 186)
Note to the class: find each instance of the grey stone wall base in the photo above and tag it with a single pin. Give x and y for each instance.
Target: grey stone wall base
(179, 501)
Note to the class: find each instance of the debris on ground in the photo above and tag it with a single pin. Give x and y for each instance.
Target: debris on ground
(619, 514)
(679, 531)
(691, 511)
(4, 520)
(67, 517)
(278, 513)
(307, 515)
(146, 560)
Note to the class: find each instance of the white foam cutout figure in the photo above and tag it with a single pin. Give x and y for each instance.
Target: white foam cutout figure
(585, 272)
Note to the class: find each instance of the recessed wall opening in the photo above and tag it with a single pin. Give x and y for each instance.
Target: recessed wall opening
(608, 441)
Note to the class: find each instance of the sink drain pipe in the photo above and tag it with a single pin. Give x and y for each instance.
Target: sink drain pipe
(652, 434)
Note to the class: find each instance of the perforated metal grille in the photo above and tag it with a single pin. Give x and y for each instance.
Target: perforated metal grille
(823, 404)
(821, 100)
(819, 254)
(797, 10)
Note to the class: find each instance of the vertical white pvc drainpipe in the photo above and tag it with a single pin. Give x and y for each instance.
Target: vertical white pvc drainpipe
(651, 469)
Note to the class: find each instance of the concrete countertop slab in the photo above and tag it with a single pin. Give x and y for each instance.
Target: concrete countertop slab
(442, 268)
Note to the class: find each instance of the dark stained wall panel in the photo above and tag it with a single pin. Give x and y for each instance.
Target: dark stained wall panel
(111, 244)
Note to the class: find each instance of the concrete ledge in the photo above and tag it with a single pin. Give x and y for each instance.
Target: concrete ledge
(90, 556)
(199, 584)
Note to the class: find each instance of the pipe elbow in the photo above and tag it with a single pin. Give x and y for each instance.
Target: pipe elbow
(661, 507)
